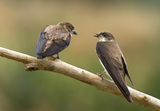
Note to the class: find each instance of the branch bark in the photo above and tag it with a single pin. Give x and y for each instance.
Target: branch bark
(32, 63)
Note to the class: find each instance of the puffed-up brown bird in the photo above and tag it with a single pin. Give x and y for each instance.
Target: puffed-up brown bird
(113, 61)
(53, 39)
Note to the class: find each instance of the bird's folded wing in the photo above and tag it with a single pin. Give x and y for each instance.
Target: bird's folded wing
(52, 35)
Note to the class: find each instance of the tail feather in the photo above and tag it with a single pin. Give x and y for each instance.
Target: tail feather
(120, 82)
(123, 88)
(130, 79)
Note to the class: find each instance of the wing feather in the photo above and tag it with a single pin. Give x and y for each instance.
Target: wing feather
(52, 40)
(126, 70)
(110, 60)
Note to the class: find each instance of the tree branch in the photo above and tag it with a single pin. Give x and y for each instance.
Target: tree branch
(32, 63)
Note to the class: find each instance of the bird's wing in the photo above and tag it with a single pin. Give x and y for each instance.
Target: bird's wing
(110, 59)
(126, 69)
(41, 41)
(51, 40)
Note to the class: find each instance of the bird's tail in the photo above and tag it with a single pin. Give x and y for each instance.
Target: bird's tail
(123, 88)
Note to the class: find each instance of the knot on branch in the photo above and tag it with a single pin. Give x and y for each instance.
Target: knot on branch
(31, 67)
(144, 98)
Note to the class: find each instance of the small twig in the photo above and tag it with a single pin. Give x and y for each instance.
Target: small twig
(31, 63)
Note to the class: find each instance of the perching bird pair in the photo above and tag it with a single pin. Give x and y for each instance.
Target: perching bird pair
(54, 38)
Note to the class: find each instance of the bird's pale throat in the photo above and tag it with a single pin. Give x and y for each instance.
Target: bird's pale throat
(103, 39)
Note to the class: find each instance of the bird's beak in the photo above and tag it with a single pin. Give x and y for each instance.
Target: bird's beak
(96, 35)
(74, 32)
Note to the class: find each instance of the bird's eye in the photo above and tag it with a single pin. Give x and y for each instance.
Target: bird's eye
(104, 34)
(70, 27)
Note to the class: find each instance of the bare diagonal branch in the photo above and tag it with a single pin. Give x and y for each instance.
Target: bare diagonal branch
(31, 63)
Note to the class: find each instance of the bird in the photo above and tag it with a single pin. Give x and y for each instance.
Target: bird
(53, 39)
(113, 61)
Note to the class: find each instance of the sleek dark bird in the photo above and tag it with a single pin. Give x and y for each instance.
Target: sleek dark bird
(53, 39)
(113, 61)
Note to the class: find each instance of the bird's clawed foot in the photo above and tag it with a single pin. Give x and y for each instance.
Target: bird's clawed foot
(57, 56)
(53, 58)
(101, 75)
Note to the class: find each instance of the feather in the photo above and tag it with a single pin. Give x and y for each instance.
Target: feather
(110, 55)
(52, 40)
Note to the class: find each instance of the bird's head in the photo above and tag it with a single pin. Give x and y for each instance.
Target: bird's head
(69, 27)
(104, 36)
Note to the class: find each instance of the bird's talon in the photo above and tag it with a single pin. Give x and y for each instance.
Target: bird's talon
(100, 75)
(57, 56)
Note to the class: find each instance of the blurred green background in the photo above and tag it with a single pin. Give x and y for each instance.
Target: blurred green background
(135, 24)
